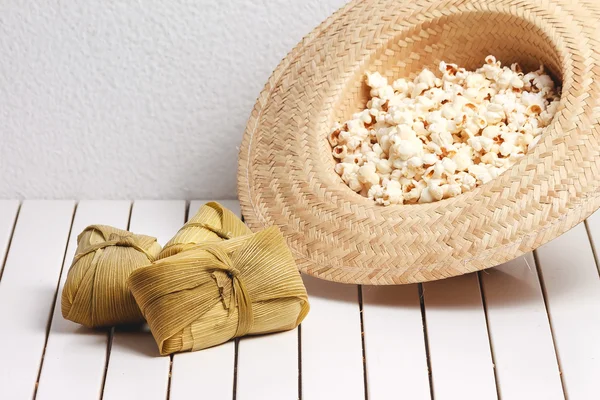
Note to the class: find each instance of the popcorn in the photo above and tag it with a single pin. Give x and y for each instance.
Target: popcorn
(431, 138)
(491, 131)
(506, 149)
(367, 175)
(435, 191)
(384, 166)
(451, 190)
(376, 81)
(393, 193)
(449, 165)
(480, 172)
(400, 86)
(354, 183)
(340, 152)
(376, 192)
(378, 150)
(416, 162)
(427, 77)
(426, 196)
(480, 143)
(467, 182)
(354, 143)
(463, 159)
(404, 149)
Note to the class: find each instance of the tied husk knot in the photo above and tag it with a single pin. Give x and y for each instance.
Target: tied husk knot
(213, 222)
(95, 292)
(218, 290)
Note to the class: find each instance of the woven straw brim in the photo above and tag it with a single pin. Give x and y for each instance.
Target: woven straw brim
(286, 175)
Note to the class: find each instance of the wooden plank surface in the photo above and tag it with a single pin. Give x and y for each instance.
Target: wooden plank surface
(332, 359)
(75, 356)
(572, 288)
(8, 215)
(592, 225)
(526, 364)
(396, 360)
(27, 292)
(520, 331)
(135, 369)
(459, 349)
(267, 367)
(211, 369)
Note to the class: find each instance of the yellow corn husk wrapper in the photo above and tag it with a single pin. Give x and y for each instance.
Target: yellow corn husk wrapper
(213, 222)
(95, 292)
(216, 291)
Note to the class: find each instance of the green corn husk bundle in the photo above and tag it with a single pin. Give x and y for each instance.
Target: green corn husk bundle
(95, 292)
(213, 222)
(215, 291)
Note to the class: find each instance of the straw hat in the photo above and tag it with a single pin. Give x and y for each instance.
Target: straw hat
(286, 175)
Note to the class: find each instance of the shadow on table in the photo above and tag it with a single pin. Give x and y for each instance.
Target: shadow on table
(135, 339)
(457, 292)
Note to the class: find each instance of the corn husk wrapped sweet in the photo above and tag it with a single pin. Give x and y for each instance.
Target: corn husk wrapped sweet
(95, 292)
(216, 291)
(213, 222)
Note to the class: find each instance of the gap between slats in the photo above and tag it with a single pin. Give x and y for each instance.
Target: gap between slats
(269, 367)
(394, 332)
(31, 320)
(49, 324)
(170, 377)
(520, 336)
(570, 277)
(545, 297)
(73, 352)
(332, 342)
(487, 327)
(299, 336)
(219, 360)
(111, 332)
(362, 341)
(135, 367)
(423, 310)
(425, 338)
(9, 239)
(592, 244)
(459, 344)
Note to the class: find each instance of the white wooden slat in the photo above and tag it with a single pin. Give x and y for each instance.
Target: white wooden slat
(211, 369)
(75, 357)
(593, 227)
(396, 359)
(135, 369)
(267, 366)
(332, 357)
(8, 214)
(27, 291)
(526, 364)
(459, 348)
(572, 288)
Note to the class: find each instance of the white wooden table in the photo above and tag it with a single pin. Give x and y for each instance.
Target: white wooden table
(528, 329)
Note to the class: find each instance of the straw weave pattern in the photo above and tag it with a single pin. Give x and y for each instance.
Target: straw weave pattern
(286, 176)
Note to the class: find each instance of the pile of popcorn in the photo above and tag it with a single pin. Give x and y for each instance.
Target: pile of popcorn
(435, 138)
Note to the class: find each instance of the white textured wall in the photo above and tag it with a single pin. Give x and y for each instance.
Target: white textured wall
(135, 99)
